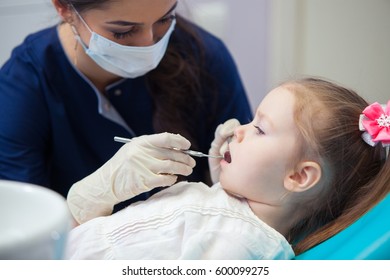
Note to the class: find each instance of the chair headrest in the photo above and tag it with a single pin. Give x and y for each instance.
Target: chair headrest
(367, 238)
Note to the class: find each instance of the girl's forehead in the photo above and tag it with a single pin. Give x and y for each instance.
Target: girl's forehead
(278, 108)
(279, 98)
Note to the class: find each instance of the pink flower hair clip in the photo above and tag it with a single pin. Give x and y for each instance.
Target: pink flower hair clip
(375, 122)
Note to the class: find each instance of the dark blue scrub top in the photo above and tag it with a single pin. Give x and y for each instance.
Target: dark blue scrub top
(51, 132)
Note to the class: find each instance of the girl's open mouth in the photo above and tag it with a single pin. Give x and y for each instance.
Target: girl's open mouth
(227, 157)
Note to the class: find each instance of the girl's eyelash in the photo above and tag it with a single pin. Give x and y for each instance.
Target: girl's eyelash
(259, 130)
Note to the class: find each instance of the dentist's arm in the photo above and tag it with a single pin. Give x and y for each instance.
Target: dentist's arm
(145, 163)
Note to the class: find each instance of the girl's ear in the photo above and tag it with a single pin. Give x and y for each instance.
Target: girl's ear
(63, 11)
(306, 175)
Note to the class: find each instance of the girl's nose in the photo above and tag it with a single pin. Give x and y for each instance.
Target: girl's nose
(239, 133)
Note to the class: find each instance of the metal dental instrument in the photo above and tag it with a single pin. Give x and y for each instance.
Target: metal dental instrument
(188, 152)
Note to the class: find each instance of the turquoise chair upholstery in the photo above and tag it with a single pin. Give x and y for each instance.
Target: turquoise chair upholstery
(367, 238)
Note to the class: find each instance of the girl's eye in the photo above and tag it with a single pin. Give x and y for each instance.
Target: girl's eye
(122, 35)
(167, 19)
(259, 130)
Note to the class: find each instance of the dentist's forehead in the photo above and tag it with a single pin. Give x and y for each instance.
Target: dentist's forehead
(134, 11)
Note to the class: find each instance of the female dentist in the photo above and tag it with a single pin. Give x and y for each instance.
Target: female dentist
(113, 68)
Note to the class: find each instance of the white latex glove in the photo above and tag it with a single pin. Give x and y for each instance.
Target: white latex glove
(220, 145)
(144, 163)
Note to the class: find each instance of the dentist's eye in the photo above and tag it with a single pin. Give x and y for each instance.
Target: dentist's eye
(167, 19)
(122, 35)
(259, 130)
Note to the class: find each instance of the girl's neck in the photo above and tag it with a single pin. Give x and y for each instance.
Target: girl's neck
(279, 217)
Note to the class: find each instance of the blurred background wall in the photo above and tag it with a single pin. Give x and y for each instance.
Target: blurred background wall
(21, 17)
(346, 41)
(271, 40)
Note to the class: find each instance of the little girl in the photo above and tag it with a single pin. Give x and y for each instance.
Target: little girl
(296, 175)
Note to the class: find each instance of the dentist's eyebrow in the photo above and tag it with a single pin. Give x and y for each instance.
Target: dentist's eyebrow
(170, 10)
(130, 23)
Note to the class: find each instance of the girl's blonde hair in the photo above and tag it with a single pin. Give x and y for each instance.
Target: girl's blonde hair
(356, 175)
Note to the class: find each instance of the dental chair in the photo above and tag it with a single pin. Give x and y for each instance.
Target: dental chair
(367, 238)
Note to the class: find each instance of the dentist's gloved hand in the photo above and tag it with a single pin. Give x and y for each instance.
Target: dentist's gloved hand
(220, 145)
(144, 163)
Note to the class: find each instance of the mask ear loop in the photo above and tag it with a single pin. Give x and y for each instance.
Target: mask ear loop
(69, 20)
(77, 34)
(81, 18)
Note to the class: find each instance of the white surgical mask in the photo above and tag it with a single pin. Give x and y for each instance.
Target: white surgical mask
(121, 60)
